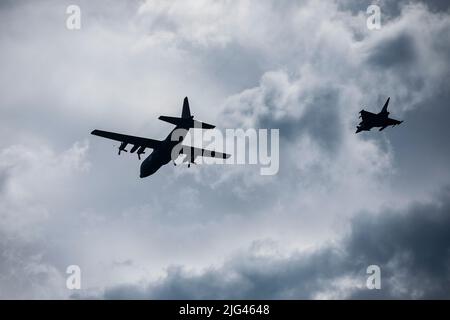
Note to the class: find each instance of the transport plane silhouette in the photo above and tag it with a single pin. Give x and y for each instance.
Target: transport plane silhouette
(381, 119)
(162, 149)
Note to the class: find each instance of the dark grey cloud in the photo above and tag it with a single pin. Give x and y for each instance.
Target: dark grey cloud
(395, 52)
(393, 8)
(426, 130)
(321, 120)
(411, 247)
(414, 244)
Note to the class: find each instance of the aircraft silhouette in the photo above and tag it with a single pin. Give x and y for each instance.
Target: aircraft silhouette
(162, 149)
(381, 119)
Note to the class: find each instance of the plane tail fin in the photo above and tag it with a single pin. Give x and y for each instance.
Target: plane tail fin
(384, 110)
(186, 113)
(187, 120)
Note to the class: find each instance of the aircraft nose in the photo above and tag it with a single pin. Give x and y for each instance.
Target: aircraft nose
(144, 172)
(147, 169)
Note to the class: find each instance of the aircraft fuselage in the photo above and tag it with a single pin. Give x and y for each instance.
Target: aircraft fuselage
(371, 120)
(379, 121)
(163, 154)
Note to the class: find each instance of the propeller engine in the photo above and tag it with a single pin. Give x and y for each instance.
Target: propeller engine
(140, 151)
(122, 147)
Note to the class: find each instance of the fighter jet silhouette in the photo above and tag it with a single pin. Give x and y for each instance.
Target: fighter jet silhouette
(162, 150)
(381, 119)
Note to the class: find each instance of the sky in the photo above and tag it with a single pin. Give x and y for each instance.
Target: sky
(339, 203)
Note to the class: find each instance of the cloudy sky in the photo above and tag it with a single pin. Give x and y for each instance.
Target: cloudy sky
(339, 203)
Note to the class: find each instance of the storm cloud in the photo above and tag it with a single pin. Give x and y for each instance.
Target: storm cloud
(410, 247)
(339, 202)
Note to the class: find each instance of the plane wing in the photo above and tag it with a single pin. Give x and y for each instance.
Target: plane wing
(194, 152)
(394, 122)
(366, 114)
(137, 141)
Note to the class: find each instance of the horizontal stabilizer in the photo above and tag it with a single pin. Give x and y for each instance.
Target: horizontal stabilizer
(186, 123)
(193, 152)
(203, 125)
